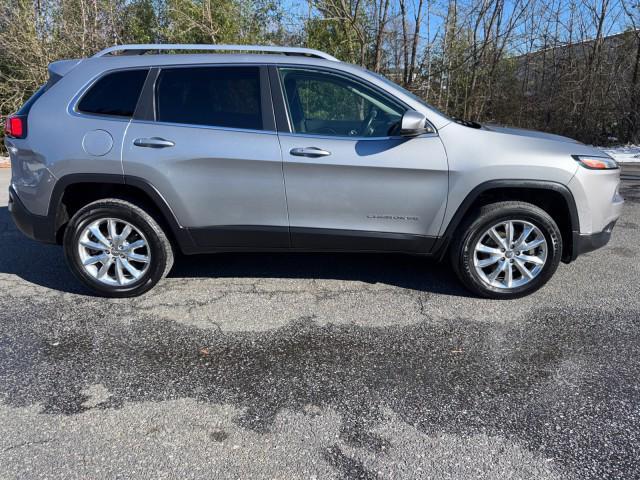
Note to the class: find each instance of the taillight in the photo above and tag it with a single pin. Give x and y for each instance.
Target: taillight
(16, 126)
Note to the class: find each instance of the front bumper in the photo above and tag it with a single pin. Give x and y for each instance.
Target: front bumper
(36, 227)
(583, 243)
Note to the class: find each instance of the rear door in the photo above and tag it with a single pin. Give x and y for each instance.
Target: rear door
(206, 141)
(352, 182)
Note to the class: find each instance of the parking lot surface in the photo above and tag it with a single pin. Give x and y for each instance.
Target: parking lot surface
(320, 366)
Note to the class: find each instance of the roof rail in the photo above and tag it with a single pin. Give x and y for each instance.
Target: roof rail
(139, 49)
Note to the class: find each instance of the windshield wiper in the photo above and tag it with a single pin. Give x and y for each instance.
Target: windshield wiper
(467, 123)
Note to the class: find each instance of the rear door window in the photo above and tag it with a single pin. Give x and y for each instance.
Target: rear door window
(114, 94)
(212, 96)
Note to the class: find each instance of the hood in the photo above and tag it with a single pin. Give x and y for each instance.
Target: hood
(521, 132)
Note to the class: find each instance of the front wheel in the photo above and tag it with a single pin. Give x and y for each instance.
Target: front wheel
(116, 248)
(507, 250)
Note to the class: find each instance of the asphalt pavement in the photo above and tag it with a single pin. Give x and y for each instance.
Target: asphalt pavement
(292, 366)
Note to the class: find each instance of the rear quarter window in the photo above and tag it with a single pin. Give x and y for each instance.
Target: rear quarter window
(114, 94)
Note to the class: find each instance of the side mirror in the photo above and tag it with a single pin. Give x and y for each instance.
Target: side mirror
(413, 124)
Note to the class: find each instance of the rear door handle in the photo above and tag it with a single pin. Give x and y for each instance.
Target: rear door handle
(153, 142)
(309, 152)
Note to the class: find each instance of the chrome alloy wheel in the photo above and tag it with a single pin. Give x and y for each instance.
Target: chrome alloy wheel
(114, 252)
(510, 254)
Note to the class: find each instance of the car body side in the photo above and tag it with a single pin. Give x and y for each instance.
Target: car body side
(475, 160)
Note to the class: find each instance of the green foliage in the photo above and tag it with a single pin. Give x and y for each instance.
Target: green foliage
(140, 22)
(219, 21)
(330, 36)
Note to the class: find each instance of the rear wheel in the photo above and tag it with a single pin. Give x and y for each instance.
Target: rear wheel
(116, 248)
(507, 250)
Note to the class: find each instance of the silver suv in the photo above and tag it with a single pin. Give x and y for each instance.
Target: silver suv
(125, 159)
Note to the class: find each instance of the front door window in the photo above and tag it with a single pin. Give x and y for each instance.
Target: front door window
(322, 103)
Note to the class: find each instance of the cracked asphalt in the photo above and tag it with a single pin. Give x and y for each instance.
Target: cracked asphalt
(295, 366)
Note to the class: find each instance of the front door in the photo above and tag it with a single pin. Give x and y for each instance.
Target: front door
(211, 150)
(352, 182)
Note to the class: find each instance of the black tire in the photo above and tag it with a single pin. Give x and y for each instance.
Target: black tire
(477, 223)
(160, 248)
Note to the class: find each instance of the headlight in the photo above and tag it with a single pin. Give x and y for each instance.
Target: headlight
(596, 163)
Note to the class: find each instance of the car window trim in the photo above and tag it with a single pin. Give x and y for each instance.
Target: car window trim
(283, 120)
(146, 110)
(139, 121)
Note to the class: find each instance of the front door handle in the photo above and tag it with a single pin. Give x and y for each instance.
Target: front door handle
(153, 142)
(309, 152)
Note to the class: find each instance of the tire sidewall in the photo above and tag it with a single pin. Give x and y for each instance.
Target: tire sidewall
(83, 218)
(479, 227)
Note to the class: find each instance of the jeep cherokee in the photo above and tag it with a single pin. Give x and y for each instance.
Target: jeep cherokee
(141, 151)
